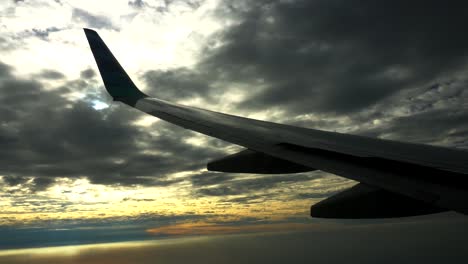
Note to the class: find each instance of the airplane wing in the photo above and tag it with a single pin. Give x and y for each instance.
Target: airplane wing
(396, 178)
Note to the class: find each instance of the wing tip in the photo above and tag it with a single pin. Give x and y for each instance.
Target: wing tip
(89, 31)
(116, 80)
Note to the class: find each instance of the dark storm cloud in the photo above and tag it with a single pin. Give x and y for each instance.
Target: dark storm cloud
(178, 84)
(44, 135)
(41, 183)
(440, 126)
(434, 114)
(92, 21)
(339, 56)
(14, 180)
(88, 74)
(81, 142)
(329, 56)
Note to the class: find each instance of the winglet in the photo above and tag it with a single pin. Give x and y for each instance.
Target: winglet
(116, 80)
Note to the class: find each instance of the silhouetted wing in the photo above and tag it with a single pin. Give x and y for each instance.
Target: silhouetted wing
(433, 175)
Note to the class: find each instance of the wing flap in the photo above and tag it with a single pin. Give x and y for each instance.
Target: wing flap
(249, 161)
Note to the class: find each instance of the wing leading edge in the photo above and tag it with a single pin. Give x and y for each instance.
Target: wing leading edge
(435, 176)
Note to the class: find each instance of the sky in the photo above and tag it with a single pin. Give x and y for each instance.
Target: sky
(77, 168)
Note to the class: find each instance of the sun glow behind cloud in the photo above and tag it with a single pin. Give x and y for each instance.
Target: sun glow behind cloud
(98, 105)
(166, 40)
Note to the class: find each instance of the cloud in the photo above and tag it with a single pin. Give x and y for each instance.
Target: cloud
(136, 3)
(44, 33)
(54, 136)
(5, 69)
(326, 56)
(209, 178)
(226, 185)
(42, 183)
(14, 180)
(178, 84)
(5, 44)
(92, 21)
(88, 74)
(440, 125)
(51, 75)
